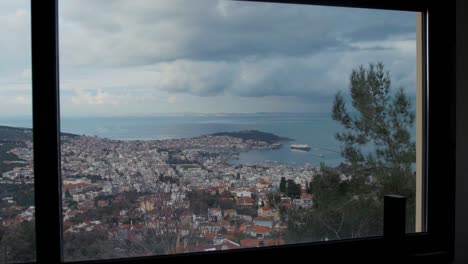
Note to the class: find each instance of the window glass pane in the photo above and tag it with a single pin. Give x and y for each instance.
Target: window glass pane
(216, 125)
(17, 226)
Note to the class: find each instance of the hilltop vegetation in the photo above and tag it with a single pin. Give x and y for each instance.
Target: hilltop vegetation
(10, 138)
(253, 135)
(8, 134)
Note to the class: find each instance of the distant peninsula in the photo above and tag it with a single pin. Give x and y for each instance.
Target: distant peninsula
(22, 133)
(254, 135)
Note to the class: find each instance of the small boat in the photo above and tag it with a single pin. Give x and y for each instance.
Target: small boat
(276, 145)
(300, 147)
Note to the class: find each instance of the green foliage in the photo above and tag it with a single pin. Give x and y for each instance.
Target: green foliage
(201, 201)
(6, 146)
(88, 246)
(383, 121)
(274, 199)
(10, 138)
(343, 208)
(72, 204)
(198, 202)
(377, 142)
(15, 133)
(282, 185)
(253, 135)
(247, 210)
(380, 156)
(23, 194)
(18, 243)
(293, 190)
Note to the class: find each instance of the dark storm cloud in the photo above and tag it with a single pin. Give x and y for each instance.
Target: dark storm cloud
(210, 47)
(135, 32)
(381, 31)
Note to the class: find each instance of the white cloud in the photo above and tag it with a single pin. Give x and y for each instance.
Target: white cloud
(403, 47)
(27, 74)
(15, 32)
(99, 98)
(145, 32)
(23, 100)
(151, 56)
(172, 99)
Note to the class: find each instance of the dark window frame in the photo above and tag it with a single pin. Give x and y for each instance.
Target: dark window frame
(439, 75)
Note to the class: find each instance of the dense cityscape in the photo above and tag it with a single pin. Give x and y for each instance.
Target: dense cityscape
(183, 194)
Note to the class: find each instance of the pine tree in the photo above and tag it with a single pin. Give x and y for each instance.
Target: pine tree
(377, 142)
(282, 185)
(379, 155)
(293, 190)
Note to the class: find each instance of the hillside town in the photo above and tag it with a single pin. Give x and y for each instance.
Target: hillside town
(182, 194)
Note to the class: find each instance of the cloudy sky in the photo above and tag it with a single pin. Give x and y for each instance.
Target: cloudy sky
(148, 57)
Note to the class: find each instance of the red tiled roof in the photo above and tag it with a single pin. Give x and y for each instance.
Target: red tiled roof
(262, 181)
(244, 200)
(243, 227)
(261, 229)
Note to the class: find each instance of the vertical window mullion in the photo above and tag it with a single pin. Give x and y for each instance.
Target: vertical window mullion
(44, 37)
(441, 117)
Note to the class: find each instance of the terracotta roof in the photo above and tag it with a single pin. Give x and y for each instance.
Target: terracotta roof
(262, 181)
(261, 229)
(244, 200)
(243, 227)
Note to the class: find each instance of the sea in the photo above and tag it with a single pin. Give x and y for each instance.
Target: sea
(315, 129)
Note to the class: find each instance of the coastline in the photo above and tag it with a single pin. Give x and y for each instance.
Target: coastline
(315, 129)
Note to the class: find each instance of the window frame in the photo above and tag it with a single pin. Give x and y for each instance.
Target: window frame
(438, 78)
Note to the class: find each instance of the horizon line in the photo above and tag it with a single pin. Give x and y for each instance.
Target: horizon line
(170, 114)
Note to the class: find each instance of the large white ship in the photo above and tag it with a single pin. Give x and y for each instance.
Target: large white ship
(300, 147)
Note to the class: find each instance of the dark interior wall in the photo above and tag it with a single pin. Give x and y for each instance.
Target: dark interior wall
(461, 215)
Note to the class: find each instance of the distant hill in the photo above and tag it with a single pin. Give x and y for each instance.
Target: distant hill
(19, 133)
(15, 133)
(253, 135)
(14, 137)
